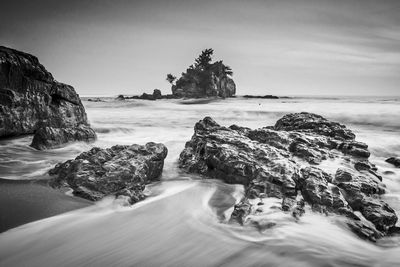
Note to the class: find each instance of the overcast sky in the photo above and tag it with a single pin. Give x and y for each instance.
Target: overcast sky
(274, 47)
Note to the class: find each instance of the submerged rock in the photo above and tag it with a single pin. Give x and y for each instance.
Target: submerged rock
(31, 99)
(304, 158)
(393, 160)
(119, 170)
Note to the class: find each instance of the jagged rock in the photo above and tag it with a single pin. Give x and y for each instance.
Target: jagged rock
(119, 170)
(393, 160)
(54, 137)
(30, 98)
(289, 161)
(120, 97)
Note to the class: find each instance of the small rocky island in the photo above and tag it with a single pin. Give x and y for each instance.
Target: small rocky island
(33, 102)
(305, 160)
(203, 79)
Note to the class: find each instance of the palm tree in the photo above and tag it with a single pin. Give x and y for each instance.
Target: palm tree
(170, 78)
(204, 59)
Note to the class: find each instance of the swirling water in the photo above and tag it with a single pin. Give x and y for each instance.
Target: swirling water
(183, 221)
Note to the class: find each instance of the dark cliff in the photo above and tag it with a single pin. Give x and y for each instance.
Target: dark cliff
(31, 99)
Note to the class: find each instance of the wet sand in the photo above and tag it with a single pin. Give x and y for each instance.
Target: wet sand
(22, 202)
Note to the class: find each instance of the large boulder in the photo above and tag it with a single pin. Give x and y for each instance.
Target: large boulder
(304, 160)
(120, 170)
(31, 99)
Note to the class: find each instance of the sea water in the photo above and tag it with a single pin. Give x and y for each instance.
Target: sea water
(183, 222)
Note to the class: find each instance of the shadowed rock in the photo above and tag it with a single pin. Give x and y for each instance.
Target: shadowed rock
(55, 137)
(393, 160)
(119, 170)
(304, 158)
(31, 99)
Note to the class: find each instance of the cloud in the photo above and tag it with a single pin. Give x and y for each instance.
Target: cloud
(128, 46)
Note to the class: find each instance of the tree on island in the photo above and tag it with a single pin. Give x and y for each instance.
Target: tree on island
(204, 78)
(203, 61)
(171, 78)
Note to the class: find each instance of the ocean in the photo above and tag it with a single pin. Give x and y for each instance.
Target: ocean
(180, 223)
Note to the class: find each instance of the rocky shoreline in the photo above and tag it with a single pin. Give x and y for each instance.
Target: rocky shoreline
(290, 161)
(309, 163)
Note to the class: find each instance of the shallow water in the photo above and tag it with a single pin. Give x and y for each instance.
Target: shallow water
(182, 222)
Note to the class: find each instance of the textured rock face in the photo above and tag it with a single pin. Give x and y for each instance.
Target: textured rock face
(119, 170)
(304, 160)
(219, 87)
(31, 99)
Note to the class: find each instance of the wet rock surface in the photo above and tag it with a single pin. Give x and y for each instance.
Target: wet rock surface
(122, 171)
(394, 161)
(31, 99)
(308, 162)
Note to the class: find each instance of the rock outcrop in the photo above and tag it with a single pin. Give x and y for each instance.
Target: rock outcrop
(305, 160)
(122, 171)
(31, 99)
(204, 79)
(189, 87)
(394, 161)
